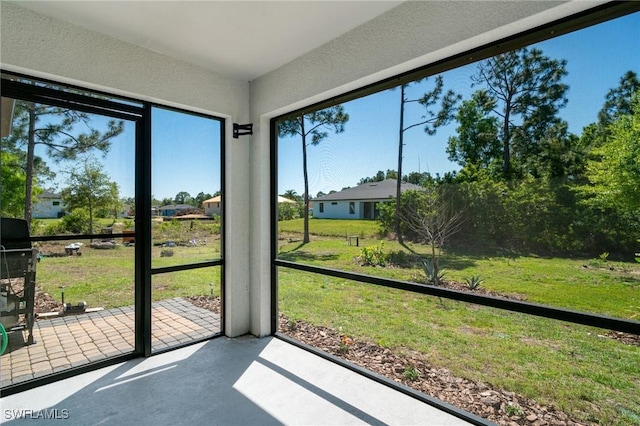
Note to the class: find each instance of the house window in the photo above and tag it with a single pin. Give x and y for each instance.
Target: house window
(321, 207)
(352, 207)
(56, 203)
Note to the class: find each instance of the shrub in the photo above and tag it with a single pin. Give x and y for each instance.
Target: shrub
(411, 373)
(513, 409)
(433, 274)
(76, 222)
(474, 282)
(373, 255)
(289, 211)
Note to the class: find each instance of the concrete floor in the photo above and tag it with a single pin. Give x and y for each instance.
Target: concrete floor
(242, 381)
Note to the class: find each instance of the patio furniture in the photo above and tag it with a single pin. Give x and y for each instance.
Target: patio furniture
(17, 276)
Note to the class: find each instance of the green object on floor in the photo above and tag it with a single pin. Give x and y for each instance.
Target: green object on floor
(5, 339)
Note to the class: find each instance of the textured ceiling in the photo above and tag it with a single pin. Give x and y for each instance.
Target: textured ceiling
(237, 39)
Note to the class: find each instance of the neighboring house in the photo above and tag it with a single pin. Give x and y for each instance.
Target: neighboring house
(213, 206)
(360, 202)
(174, 209)
(126, 211)
(47, 205)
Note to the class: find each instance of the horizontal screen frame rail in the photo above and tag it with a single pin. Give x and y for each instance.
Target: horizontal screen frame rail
(545, 311)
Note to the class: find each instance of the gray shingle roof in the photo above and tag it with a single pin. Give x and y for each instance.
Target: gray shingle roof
(369, 191)
(48, 194)
(177, 207)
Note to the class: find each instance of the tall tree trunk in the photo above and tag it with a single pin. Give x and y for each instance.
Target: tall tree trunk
(399, 178)
(506, 144)
(305, 238)
(31, 145)
(434, 260)
(90, 205)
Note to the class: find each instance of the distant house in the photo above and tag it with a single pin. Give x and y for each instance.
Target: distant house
(47, 205)
(127, 210)
(213, 206)
(173, 209)
(360, 202)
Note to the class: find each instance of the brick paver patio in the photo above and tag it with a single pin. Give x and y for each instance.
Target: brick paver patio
(72, 340)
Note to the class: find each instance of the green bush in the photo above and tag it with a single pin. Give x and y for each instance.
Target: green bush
(289, 211)
(473, 283)
(433, 274)
(76, 222)
(373, 255)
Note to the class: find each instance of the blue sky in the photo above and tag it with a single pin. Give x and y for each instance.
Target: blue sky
(185, 155)
(596, 59)
(186, 147)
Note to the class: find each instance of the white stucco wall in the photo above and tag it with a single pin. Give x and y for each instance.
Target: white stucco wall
(46, 208)
(340, 209)
(337, 210)
(412, 35)
(44, 47)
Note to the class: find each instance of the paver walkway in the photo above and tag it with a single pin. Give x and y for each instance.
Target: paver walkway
(74, 340)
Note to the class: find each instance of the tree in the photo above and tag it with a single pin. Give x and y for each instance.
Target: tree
(378, 177)
(314, 125)
(523, 84)
(477, 142)
(57, 129)
(618, 101)
(614, 172)
(291, 194)
(89, 188)
(561, 155)
(430, 214)
(11, 186)
(200, 198)
(418, 178)
(182, 197)
(430, 120)
(114, 204)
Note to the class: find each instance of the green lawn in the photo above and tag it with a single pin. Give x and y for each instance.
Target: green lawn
(105, 278)
(610, 288)
(332, 227)
(574, 368)
(570, 367)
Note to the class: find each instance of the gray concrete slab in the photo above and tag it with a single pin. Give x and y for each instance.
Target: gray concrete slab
(242, 381)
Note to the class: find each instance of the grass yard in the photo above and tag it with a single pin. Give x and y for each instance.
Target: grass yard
(332, 227)
(105, 278)
(575, 368)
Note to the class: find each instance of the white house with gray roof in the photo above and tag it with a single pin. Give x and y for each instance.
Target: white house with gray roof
(359, 202)
(47, 205)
